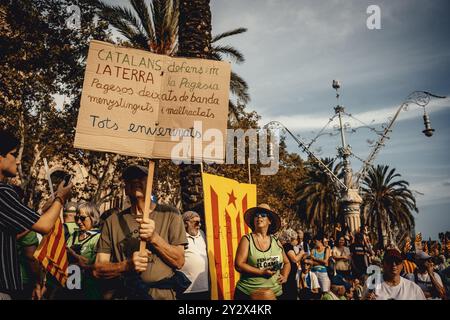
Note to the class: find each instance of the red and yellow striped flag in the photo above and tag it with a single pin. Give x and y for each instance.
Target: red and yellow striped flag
(226, 200)
(52, 253)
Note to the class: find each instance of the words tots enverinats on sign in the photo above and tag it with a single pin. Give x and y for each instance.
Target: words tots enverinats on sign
(142, 104)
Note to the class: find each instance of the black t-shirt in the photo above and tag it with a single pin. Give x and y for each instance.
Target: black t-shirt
(358, 252)
(288, 247)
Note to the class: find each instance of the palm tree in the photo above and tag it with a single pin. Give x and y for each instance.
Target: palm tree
(194, 38)
(387, 202)
(317, 197)
(156, 27)
(152, 27)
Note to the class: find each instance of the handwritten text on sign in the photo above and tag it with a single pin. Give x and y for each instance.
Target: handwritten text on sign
(135, 102)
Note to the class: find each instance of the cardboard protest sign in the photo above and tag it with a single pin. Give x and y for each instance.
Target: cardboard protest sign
(142, 104)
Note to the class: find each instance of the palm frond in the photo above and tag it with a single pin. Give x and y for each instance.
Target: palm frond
(239, 87)
(228, 34)
(143, 12)
(228, 51)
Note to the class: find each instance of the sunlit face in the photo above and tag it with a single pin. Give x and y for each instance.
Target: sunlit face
(9, 163)
(423, 264)
(261, 220)
(393, 267)
(193, 226)
(83, 221)
(135, 188)
(338, 290)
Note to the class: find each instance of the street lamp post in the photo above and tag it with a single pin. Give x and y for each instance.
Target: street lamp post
(351, 199)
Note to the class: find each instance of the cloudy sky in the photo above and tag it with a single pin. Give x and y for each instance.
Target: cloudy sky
(295, 48)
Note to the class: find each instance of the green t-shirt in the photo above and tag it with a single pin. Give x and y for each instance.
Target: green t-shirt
(262, 260)
(330, 296)
(89, 245)
(30, 239)
(71, 227)
(89, 284)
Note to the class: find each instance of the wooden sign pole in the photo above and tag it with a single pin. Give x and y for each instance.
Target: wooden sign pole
(249, 172)
(148, 200)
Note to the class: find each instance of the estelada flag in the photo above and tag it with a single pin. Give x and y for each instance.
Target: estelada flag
(52, 253)
(226, 200)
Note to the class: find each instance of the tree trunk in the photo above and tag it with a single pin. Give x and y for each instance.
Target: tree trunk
(194, 40)
(382, 234)
(380, 230)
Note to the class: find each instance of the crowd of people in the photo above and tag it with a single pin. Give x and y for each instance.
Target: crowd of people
(339, 267)
(173, 262)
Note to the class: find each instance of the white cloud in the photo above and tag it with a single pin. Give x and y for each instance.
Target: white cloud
(303, 122)
(434, 192)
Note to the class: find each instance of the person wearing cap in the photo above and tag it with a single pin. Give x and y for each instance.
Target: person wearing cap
(16, 218)
(338, 289)
(69, 212)
(141, 276)
(196, 259)
(424, 276)
(260, 258)
(391, 286)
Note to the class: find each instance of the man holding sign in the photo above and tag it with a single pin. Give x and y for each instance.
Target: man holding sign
(141, 104)
(118, 248)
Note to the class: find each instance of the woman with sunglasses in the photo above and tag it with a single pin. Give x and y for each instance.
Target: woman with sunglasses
(260, 258)
(81, 247)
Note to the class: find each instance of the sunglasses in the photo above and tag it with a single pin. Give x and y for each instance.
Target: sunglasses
(261, 214)
(392, 260)
(196, 223)
(15, 154)
(82, 218)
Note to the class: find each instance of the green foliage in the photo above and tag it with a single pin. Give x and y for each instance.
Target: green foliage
(42, 57)
(388, 202)
(317, 197)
